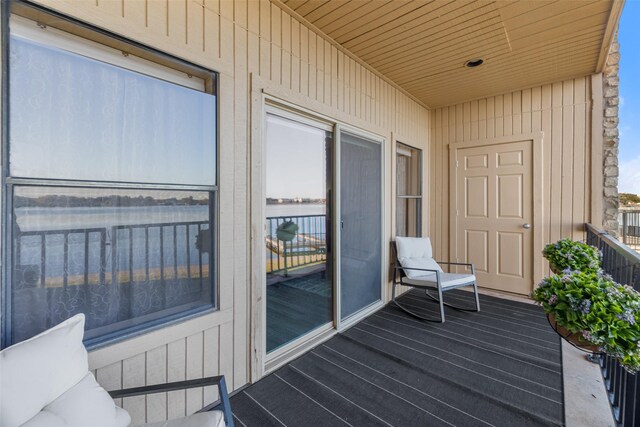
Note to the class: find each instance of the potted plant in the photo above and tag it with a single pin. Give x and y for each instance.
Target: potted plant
(593, 312)
(287, 231)
(569, 255)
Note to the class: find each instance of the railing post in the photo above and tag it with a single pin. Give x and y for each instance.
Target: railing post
(286, 273)
(635, 277)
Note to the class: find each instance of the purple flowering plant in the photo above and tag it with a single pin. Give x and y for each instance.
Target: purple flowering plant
(603, 312)
(572, 255)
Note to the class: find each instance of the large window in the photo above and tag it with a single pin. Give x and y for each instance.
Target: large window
(408, 191)
(111, 187)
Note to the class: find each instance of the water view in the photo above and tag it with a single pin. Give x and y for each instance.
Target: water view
(111, 254)
(294, 209)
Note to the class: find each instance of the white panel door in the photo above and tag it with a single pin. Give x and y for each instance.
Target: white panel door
(494, 214)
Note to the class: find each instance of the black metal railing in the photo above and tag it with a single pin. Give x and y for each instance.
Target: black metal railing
(126, 242)
(624, 265)
(630, 228)
(308, 246)
(112, 274)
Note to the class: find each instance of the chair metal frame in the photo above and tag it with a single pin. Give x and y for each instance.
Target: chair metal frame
(399, 272)
(183, 385)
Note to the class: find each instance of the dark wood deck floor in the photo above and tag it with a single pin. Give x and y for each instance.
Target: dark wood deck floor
(499, 367)
(297, 306)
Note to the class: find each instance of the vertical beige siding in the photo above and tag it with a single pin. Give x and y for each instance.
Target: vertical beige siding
(240, 39)
(186, 358)
(562, 111)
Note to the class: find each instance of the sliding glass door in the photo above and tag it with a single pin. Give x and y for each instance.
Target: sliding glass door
(299, 289)
(360, 223)
(305, 296)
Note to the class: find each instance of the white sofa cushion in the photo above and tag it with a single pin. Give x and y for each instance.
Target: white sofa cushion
(45, 382)
(37, 371)
(84, 404)
(202, 419)
(45, 419)
(416, 252)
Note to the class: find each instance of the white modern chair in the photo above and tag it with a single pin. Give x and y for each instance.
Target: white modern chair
(45, 382)
(416, 268)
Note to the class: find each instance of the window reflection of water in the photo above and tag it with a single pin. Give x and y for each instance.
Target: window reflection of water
(60, 218)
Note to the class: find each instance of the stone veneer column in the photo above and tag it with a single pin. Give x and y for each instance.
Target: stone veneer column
(610, 92)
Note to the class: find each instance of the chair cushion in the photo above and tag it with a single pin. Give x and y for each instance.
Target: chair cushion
(416, 252)
(84, 404)
(414, 247)
(35, 372)
(202, 419)
(422, 263)
(447, 280)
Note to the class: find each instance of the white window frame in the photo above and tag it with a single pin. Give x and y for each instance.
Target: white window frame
(400, 151)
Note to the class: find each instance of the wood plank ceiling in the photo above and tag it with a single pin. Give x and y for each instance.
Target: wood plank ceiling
(423, 45)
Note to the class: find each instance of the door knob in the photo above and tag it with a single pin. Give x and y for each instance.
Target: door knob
(526, 225)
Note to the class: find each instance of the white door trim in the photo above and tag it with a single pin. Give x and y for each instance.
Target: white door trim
(263, 96)
(538, 202)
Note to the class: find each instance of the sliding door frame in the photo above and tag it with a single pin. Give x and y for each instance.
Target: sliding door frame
(263, 104)
(284, 353)
(343, 324)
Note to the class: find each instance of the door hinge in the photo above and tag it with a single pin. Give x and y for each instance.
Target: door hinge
(457, 164)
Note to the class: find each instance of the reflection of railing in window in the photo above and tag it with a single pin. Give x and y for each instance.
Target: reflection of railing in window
(124, 273)
(186, 240)
(178, 270)
(35, 275)
(307, 248)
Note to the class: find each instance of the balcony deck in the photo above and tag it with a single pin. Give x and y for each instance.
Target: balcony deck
(305, 297)
(502, 366)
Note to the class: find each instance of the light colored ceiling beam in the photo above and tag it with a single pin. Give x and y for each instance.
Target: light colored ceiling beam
(612, 28)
